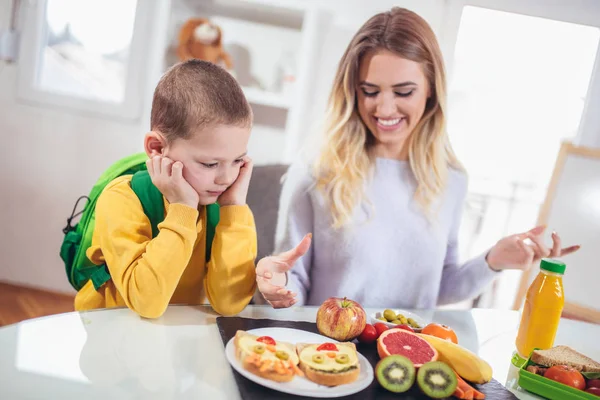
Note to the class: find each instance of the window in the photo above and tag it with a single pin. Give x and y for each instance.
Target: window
(86, 56)
(81, 57)
(518, 88)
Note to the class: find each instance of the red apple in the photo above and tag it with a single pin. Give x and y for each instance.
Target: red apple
(341, 319)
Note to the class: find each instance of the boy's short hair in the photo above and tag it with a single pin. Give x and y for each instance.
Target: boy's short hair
(194, 94)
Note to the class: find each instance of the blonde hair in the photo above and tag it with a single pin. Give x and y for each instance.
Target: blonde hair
(344, 162)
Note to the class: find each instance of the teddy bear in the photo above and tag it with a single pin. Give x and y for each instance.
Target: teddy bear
(199, 38)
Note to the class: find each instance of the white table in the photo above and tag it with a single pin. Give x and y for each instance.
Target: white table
(114, 354)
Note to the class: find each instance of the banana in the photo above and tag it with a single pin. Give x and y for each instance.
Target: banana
(467, 364)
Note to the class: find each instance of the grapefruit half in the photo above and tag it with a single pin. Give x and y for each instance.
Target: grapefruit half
(407, 344)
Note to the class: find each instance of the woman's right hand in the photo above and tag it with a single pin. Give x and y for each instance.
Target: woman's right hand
(167, 176)
(271, 275)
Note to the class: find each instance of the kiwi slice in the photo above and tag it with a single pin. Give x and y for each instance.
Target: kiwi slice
(437, 380)
(395, 373)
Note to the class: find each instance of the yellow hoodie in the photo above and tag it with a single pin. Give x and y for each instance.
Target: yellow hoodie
(149, 274)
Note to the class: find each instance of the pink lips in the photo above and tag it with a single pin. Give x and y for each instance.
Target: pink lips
(214, 193)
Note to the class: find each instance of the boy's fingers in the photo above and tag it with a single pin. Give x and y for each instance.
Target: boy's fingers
(156, 164)
(246, 171)
(150, 166)
(177, 171)
(165, 167)
(248, 164)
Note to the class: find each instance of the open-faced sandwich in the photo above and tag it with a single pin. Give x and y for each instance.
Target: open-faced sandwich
(265, 357)
(329, 364)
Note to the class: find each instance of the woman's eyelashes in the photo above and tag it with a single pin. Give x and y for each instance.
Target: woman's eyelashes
(370, 93)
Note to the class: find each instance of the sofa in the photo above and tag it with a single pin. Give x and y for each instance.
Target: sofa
(263, 200)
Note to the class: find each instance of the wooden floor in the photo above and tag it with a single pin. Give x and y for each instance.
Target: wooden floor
(19, 303)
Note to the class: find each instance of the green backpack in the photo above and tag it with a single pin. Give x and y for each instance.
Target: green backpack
(78, 237)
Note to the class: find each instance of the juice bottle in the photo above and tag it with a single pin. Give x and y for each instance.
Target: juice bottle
(542, 310)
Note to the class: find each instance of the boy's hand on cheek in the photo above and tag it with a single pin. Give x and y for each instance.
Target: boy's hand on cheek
(167, 176)
(236, 193)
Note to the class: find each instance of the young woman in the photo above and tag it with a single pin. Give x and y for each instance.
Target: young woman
(384, 197)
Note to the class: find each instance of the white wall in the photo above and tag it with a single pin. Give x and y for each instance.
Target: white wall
(49, 157)
(589, 134)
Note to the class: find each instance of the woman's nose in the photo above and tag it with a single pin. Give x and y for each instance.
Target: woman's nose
(386, 107)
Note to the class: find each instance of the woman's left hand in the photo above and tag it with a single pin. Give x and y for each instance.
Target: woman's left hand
(512, 252)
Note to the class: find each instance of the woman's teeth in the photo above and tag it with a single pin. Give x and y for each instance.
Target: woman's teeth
(388, 122)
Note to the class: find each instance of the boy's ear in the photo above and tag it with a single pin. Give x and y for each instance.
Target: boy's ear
(154, 144)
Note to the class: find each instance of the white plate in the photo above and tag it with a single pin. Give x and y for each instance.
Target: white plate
(421, 321)
(299, 385)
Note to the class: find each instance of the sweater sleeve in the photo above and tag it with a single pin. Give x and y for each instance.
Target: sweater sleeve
(295, 220)
(145, 271)
(231, 277)
(462, 281)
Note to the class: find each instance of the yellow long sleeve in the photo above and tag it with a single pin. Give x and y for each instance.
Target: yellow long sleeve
(231, 277)
(149, 274)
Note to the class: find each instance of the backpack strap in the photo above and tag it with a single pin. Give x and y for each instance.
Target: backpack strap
(212, 219)
(152, 203)
(150, 197)
(100, 276)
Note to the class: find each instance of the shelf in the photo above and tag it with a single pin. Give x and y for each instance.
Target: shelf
(269, 12)
(270, 99)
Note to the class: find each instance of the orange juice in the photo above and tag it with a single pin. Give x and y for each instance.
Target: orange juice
(543, 307)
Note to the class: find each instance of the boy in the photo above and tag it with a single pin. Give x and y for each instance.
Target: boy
(200, 126)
